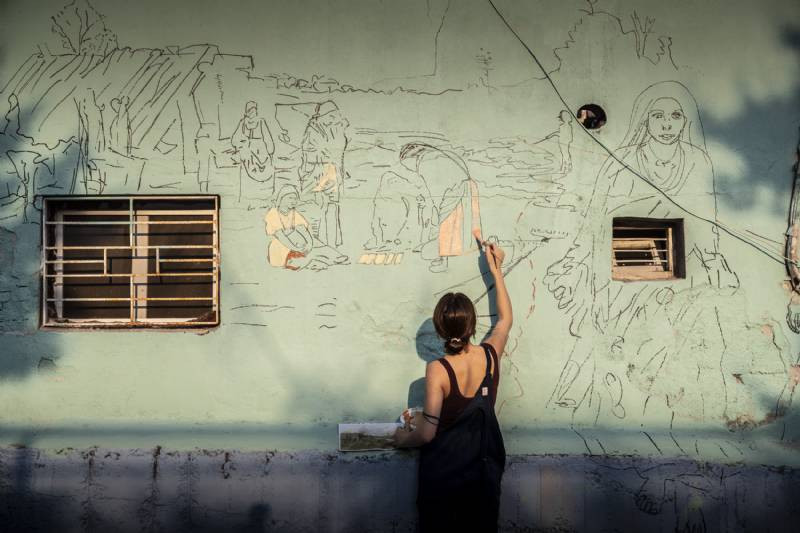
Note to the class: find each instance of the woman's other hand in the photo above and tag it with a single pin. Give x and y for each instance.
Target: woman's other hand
(401, 437)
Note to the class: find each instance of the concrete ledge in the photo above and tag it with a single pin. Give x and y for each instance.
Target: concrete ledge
(158, 489)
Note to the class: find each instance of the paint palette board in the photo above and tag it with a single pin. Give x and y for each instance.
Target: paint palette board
(367, 436)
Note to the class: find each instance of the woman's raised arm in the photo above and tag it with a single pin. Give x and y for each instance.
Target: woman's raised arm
(505, 316)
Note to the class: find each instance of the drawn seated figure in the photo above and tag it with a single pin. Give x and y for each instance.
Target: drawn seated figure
(119, 130)
(291, 244)
(401, 211)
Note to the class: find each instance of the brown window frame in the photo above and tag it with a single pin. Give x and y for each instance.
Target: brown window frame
(142, 265)
(661, 239)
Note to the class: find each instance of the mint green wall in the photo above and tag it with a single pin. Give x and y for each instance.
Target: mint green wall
(696, 367)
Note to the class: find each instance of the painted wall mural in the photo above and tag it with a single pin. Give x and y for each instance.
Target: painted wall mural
(349, 205)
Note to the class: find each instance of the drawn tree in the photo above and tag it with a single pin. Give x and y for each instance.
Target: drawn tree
(82, 30)
(641, 30)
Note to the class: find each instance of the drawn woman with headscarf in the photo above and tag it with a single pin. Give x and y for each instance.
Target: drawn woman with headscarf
(624, 330)
(253, 146)
(291, 244)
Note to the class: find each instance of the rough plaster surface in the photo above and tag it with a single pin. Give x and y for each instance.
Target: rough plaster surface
(100, 489)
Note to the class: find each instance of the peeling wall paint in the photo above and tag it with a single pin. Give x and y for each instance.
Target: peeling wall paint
(391, 150)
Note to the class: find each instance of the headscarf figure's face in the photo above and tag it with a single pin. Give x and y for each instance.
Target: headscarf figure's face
(288, 202)
(665, 120)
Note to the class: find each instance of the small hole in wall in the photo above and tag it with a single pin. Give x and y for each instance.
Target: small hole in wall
(591, 116)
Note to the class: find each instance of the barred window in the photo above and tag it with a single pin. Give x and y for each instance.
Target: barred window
(647, 249)
(140, 261)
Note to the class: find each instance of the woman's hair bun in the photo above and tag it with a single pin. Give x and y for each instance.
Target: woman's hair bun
(454, 345)
(454, 321)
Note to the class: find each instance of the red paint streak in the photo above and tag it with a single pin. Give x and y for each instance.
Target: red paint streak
(794, 375)
(533, 294)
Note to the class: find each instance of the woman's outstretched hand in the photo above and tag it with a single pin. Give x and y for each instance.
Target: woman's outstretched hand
(494, 256)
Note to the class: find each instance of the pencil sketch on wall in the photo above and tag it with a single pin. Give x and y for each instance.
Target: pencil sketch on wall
(624, 348)
(317, 193)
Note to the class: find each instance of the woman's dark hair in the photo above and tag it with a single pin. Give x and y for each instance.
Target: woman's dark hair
(454, 320)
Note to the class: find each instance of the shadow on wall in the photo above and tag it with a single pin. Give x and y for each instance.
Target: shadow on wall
(429, 348)
(23, 171)
(761, 127)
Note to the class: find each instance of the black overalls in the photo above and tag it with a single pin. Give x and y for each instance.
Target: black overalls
(461, 468)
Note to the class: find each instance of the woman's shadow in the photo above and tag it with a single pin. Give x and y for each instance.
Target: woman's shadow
(431, 347)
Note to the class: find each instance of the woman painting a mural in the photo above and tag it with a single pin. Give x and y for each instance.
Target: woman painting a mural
(462, 456)
(623, 329)
(291, 245)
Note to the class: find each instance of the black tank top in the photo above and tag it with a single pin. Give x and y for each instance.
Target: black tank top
(455, 402)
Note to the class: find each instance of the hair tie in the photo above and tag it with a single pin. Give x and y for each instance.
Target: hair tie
(455, 339)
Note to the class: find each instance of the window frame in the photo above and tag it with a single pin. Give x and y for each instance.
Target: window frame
(674, 249)
(132, 322)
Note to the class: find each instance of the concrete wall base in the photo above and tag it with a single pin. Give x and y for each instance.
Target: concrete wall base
(217, 490)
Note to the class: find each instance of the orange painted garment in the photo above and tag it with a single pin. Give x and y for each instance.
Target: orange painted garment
(462, 221)
(274, 221)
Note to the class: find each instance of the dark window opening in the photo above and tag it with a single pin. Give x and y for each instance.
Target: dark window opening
(130, 261)
(591, 116)
(647, 249)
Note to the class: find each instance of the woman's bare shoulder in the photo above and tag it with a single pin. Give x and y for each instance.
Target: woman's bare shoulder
(435, 369)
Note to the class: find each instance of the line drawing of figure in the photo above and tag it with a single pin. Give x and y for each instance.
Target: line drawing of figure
(401, 209)
(565, 137)
(11, 118)
(291, 244)
(120, 127)
(455, 221)
(322, 172)
(28, 165)
(291, 239)
(91, 143)
(205, 156)
(665, 143)
(253, 147)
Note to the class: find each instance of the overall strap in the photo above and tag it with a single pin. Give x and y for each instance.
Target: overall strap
(488, 362)
(451, 373)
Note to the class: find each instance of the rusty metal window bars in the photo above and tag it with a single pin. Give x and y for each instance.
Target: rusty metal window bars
(130, 261)
(646, 249)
